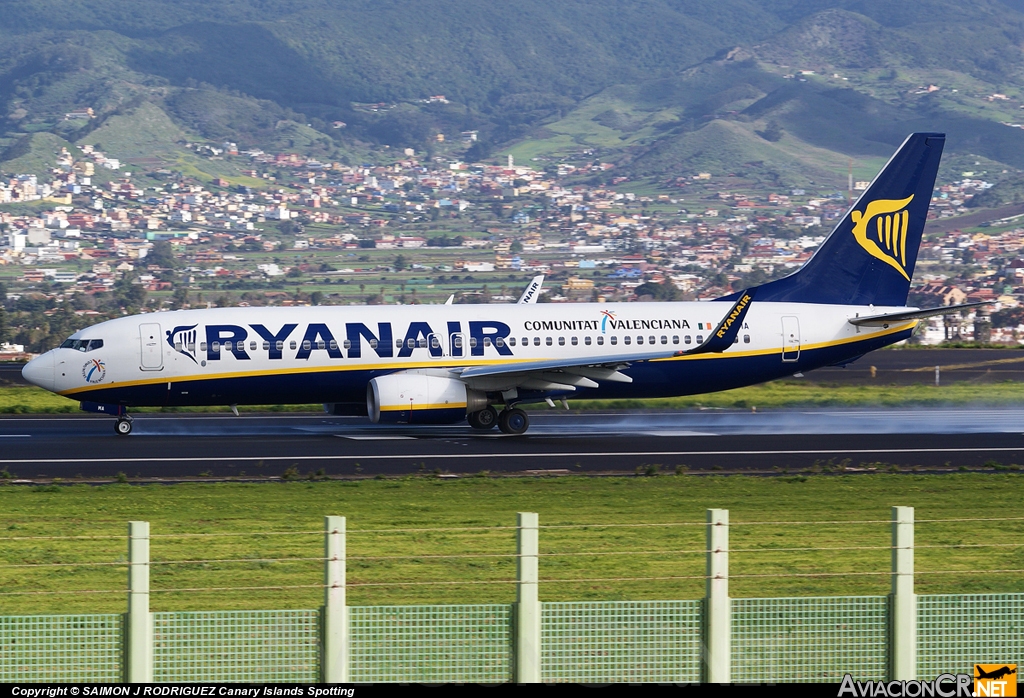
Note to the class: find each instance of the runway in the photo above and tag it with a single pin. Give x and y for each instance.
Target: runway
(172, 447)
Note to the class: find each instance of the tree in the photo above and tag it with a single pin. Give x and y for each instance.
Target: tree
(772, 132)
(665, 291)
(400, 263)
(162, 255)
(316, 297)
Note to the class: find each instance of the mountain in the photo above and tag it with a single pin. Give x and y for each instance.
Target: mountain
(654, 85)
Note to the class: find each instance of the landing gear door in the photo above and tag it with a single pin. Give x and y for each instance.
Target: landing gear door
(152, 347)
(790, 338)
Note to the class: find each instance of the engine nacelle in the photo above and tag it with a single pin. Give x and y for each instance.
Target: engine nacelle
(417, 398)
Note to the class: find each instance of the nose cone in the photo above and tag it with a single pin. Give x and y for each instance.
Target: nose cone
(39, 371)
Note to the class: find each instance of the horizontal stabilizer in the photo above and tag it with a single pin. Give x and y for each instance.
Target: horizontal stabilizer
(887, 319)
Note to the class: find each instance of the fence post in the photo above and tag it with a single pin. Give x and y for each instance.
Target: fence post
(334, 650)
(527, 610)
(138, 621)
(903, 601)
(717, 659)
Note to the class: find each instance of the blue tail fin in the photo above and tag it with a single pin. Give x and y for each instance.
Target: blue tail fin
(869, 258)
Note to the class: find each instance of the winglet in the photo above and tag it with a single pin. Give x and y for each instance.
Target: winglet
(724, 335)
(532, 291)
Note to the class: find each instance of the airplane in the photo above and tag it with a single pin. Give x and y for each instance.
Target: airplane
(442, 364)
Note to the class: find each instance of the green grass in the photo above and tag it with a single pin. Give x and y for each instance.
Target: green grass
(375, 508)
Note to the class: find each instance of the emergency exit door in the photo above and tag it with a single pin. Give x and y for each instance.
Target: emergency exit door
(790, 338)
(152, 349)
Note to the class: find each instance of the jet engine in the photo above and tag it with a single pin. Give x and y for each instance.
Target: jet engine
(416, 398)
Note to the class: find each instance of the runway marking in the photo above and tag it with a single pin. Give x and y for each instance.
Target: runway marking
(377, 438)
(667, 432)
(15, 436)
(568, 454)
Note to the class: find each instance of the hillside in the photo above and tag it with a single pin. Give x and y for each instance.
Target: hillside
(639, 83)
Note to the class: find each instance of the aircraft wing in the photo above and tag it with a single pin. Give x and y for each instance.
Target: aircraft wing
(558, 374)
(586, 372)
(886, 319)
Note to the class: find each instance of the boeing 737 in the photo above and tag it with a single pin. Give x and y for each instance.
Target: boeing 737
(442, 364)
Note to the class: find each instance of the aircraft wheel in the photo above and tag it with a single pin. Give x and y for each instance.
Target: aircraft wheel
(513, 421)
(123, 427)
(484, 420)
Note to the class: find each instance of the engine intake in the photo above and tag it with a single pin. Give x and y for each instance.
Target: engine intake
(416, 398)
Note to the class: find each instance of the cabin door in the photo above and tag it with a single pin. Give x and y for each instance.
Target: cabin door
(152, 351)
(790, 338)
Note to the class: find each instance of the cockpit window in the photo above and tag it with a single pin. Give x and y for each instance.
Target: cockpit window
(82, 344)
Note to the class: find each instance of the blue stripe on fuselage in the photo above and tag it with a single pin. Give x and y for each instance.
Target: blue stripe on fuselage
(711, 373)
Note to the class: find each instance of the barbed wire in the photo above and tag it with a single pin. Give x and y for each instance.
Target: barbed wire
(448, 529)
(455, 556)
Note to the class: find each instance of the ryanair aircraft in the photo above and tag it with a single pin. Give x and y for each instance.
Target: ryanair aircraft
(443, 364)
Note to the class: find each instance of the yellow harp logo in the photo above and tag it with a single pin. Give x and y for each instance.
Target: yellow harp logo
(881, 229)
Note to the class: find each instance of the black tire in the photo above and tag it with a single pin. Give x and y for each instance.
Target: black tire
(514, 421)
(484, 420)
(123, 427)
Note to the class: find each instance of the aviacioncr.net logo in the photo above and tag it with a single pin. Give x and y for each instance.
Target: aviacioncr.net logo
(94, 371)
(881, 229)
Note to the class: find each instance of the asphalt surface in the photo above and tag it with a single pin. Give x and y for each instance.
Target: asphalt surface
(174, 447)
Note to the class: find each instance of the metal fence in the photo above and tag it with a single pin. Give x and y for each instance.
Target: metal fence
(764, 640)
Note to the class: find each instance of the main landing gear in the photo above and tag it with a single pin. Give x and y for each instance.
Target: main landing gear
(484, 420)
(512, 420)
(123, 425)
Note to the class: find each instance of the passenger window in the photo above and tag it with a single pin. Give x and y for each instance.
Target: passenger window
(435, 343)
(457, 340)
(227, 346)
(675, 339)
(334, 344)
(547, 340)
(746, 339)
(472, 342)
(499, 342)
(574, 341)
(686, 339)
(639, 340)
(252, 345)
(626, 340)
(536, 341)
(266, 346)
(600, 339)
(411, 343)
(202, 346)
(487, 341)
(306, 346)
(586, 340)
(615, 340)
(373, 344)
(700, 339)
(178, 346)
(320, 344)
(280, 345)
(664, 339)
(736, 340)
(398, 344)
(511, 341)
(347, 344)
(293, 345)
(561, 341)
